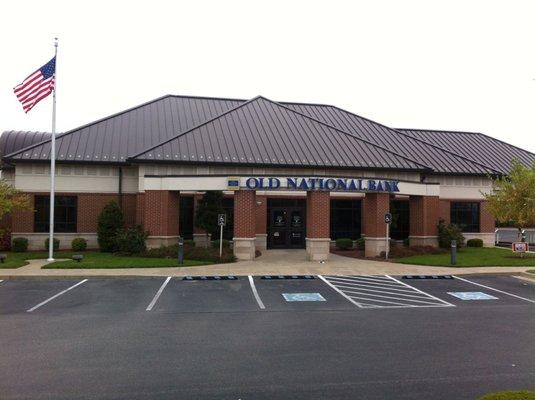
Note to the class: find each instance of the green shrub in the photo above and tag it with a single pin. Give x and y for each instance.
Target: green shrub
(406, 242)
(190, 243)
(360, 243)
(132, 240)
(510, 395)
(344, 243)
(19, 245)
(209, 254)
(447, 233)
(110, 222)
(474, 243)
(226, 244)
(79, 244)
(55, 245)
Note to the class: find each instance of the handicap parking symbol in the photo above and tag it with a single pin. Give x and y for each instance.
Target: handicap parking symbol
(303, 297)
(472, 296)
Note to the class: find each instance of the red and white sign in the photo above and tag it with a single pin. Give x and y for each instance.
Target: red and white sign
(520, 247)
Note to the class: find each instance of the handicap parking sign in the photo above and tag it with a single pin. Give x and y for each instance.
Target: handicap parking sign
(472, 296)
(303, 297)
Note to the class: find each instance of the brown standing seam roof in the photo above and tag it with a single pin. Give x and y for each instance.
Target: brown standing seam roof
(118, 137)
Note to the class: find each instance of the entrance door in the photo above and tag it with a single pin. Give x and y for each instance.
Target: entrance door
(286, 224)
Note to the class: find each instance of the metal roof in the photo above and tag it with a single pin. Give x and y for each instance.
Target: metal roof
(263, 132)
(118, 137)
(477, 146)
(11, 141)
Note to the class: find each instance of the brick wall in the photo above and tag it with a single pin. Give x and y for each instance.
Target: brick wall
(23, 221)
(261, 214)
(161, 212)
(244, 214)
(424, 215)
(444, 211)
(196, 199)
(487, 223)
(140, 209)
(318, 215)
(374, 208)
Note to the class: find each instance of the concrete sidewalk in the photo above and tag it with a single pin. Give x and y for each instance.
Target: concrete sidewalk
(272, 262)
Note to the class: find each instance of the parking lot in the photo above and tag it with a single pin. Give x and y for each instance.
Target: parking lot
(266, 337)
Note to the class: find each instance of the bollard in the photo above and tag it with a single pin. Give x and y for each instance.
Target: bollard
(453, 252)
(180, 250)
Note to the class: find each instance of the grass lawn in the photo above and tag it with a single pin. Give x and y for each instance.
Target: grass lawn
(474, 257)
(107, 260)
(16, 260)
(522, 395)
(96, 260)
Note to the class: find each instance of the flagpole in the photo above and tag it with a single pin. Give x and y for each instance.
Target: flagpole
(53, 160)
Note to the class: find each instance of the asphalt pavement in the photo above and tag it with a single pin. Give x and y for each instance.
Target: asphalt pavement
(301, 337)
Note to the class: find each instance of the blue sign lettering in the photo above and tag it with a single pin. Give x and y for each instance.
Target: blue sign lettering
(330, 184)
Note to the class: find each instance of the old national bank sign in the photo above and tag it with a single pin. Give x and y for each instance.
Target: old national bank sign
(314, 183)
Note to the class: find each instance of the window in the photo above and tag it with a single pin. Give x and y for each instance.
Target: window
(465, 215)
(185, 225)
(400, 226)
(345, 219)
(64, 213)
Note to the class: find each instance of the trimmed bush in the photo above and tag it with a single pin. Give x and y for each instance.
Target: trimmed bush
(110, 222)
(55, 245)
(132, 240)
(19, 245)
(226, 244)
(344, 244)
(474, 243)
(406, 242)
(209, 254)
(447, 233)
(190, 243)
(360, 243)
(5, 239)
(79, 244)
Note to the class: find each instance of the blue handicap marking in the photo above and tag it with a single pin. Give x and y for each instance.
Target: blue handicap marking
(303, 297)
(472, 296)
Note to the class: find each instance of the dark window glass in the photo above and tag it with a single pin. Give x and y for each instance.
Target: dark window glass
(345, 219)
(228, 209)
(185, 225)
(465, 215)
(65, 210)
(400, 226)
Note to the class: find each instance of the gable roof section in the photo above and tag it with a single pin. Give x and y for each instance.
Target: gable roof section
(11, 141)
(477, 146)
(114, 138)
(439, 159)
(263, 132)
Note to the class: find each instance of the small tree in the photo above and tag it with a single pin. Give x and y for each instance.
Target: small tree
(11, 199)
(513, 196)
(110, 223)
(209, 207)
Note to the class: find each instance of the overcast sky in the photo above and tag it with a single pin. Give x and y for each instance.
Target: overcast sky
(459, 65)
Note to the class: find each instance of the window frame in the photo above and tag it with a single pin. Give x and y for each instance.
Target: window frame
(459, 207)
(65, 215)
(355, 231)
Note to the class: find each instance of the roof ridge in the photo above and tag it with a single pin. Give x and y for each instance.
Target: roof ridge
(353, 137)
(436, 130)
(420, 140)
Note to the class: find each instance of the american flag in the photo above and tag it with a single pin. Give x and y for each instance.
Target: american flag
(36, 86)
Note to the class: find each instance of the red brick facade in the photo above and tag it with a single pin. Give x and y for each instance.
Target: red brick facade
(424, 215)
(161, 212)
(487, 223)
(245, 214)
(374, 208)
(444, 211)
(318, 215)
(261, 214)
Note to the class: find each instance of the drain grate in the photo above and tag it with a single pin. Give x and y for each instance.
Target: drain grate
(210, 278)
(275, 277)
(427, 277)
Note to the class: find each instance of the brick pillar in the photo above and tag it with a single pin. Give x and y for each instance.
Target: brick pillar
(199, 235)
(424, 216)
(261, 222)
(487, 225)
(318, 227)
(375, 206)
(161, 217)
(244, 224)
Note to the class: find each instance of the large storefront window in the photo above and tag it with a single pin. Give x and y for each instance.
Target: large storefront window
(228, 209)
(65, 210)
(465, 215)
(345, 219)
(400, 226)
(185, 225)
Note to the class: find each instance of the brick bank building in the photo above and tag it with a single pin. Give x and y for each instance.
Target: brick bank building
(294, 175)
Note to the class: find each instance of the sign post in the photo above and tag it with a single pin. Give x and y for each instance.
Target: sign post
(388, 220)
(221, 221)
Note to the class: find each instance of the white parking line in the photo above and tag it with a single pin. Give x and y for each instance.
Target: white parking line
(496, 290)
(56, 295)
(421, 291)
(340, 292)
(158, 293)
(255, 293)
